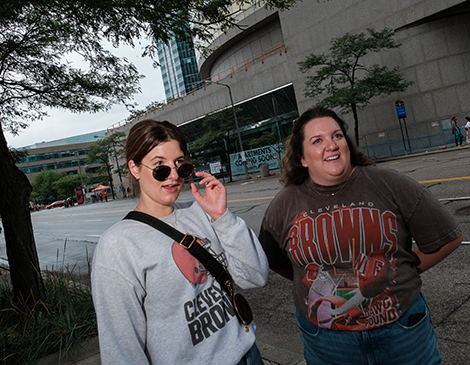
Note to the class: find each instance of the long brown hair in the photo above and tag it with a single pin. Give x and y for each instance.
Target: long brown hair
(292, 170)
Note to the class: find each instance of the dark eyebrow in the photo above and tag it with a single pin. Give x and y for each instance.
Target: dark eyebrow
(316, 136)
(164, 158)
(319, 135)
(156, 158)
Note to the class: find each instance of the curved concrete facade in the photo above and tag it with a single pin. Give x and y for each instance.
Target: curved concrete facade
(434, 55)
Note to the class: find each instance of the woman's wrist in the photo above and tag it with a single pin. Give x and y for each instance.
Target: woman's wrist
(215, 217)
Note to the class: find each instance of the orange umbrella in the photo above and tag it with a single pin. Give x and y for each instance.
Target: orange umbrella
(100, 187)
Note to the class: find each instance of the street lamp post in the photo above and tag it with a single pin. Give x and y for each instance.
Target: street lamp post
(80, 173)
(242, 152)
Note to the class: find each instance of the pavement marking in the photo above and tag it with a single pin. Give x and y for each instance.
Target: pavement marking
(272, 197)
(246, 200)
(79, 214)
(446, 179)
(455, 199)
(422, 182)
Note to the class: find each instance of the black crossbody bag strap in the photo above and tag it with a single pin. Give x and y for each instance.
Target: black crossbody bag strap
(217, 270)
(188, 241)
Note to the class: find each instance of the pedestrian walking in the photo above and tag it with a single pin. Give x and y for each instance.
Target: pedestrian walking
(458, 136)
(467, 129)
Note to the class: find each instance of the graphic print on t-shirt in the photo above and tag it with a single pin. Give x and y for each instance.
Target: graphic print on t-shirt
(211, 308)
(348, 255)
(189, 266)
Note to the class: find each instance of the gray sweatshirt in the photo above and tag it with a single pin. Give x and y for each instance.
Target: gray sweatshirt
(156, 304)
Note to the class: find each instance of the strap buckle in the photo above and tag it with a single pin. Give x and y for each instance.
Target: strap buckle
(185, 241)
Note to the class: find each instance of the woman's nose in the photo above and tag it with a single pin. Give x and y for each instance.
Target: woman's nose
(332, 145)
(173, 173)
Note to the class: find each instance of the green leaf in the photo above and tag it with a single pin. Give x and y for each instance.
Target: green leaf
(341, 79)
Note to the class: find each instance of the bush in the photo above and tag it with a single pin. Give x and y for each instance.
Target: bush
(58, 325)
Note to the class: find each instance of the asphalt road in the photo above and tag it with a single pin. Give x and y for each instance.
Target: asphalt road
(68, 236)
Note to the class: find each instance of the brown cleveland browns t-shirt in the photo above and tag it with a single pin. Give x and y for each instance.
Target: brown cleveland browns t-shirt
(352, 252)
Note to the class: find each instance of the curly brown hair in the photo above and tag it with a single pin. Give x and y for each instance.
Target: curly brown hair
(293, 172)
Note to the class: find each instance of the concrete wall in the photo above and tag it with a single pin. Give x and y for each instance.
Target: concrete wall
(434, 54)
(431, 54)
(263, 37)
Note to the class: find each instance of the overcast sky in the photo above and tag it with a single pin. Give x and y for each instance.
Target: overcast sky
(61, 124)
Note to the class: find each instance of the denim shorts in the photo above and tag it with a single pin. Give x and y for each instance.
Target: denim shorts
(398, 343)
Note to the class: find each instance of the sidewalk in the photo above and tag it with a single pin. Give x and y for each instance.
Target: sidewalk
(432, 152)
(91, 356)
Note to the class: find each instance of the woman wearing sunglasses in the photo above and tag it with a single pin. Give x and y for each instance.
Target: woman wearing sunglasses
(155, 303)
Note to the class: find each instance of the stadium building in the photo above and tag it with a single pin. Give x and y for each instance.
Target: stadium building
(256, 67)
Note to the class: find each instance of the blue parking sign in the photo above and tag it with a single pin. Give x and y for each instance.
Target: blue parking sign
(401, 112)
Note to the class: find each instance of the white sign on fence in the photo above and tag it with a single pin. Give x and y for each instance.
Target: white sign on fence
(215, 167)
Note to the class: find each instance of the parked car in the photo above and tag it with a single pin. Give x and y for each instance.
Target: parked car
(72, 201)
(58, 203)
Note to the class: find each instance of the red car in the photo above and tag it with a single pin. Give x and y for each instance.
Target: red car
(58, 203)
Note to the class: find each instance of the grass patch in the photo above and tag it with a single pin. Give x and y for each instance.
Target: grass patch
(58, 325)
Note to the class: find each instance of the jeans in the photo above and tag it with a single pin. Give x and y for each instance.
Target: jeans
(252, 357)
(397, 343)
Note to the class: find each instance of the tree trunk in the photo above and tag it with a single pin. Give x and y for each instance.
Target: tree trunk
(110, 177)
(15, 190)
(356, 123)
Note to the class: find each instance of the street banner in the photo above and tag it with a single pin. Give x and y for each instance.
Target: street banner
(270, 154)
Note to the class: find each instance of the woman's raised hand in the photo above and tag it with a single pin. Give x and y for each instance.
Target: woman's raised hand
(214, 201)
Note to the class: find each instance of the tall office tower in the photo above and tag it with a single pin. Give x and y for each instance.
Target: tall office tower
(179, 67)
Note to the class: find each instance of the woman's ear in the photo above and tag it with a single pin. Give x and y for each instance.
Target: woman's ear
(134, 169)
(303, 161)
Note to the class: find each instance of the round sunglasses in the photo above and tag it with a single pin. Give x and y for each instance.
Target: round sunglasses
(161, 173)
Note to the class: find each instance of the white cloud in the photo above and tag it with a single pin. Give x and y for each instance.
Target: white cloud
(62, 124)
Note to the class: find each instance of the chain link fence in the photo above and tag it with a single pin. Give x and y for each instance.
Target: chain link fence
(414, 138)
